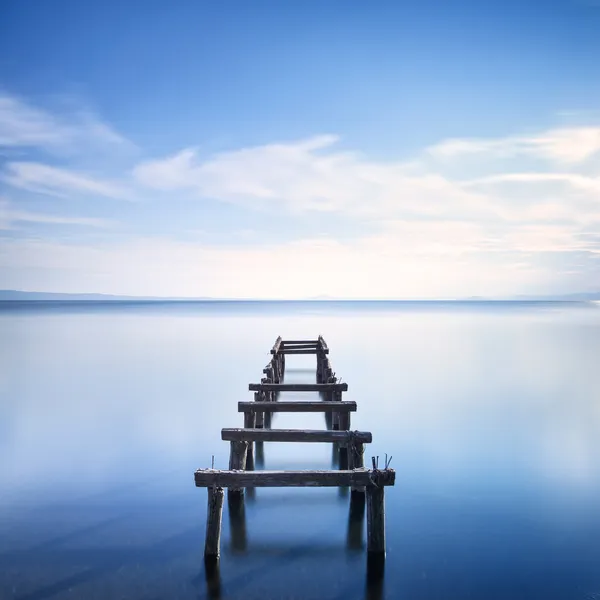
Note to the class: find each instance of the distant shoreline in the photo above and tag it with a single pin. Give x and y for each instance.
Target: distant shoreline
(24, 296)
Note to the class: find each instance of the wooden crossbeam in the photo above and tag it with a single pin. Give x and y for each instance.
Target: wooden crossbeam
(241, 479)
(297, 407)
(294, 435)
(299, 350)
(298, 387)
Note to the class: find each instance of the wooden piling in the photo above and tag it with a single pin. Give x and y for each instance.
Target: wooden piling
(375, 519)
(356, 520)
(212, 546)
(250, 423)
(260, 415)
(356, 459)
(237, 523)
(237, 462)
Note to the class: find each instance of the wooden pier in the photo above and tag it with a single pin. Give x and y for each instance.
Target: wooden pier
(366, 484)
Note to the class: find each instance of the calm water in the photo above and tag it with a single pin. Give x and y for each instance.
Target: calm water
(491, 413)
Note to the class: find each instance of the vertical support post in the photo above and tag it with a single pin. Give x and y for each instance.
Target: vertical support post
(277, 360)
(335, 397)
(270, 397)
(375, 520)
(237, 523)
(249, 422)
(237, 462)
(319, 366)
(344, 425)
(356, 519)
(357, 461)
(260, 416)
(212, 546)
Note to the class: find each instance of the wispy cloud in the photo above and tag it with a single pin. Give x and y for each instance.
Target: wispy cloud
(25, 125)
(11, 217)
(43, 178)
(308, 175)
(563, 145)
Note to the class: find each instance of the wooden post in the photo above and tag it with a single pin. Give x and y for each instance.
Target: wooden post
(357, 461)
(212, 546)
(237, 523)
(356, 520)
(344, 425)
(335, 417)
(237, 462)
(375, 519)
(212, 573)
(260, 416)
(249, 423)
(319, 367)
(270, 397)
(260, 454)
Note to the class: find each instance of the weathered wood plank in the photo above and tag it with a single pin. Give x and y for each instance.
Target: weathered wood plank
(298, 350)
(212, 544)
(298, 387)
(297, 407)
(300, 342)
(295, 435)
(239, 479)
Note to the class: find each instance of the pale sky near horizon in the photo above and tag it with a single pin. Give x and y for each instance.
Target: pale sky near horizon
(299, 148)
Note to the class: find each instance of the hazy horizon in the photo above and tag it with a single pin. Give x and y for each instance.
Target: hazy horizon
(30, 294)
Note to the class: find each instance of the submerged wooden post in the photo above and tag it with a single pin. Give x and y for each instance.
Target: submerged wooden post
(375, 519)
(237, 523)
(212, 546)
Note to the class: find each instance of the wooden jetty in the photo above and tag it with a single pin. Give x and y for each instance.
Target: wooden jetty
(366, 484)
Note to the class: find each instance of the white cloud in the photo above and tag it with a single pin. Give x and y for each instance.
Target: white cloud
(418, 228)
(309, 175)
(27, 126)
(41, 178)
(10, 218)
(562, 145)
(582, 182)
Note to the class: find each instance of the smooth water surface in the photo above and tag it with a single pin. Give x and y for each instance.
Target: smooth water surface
(490, 411)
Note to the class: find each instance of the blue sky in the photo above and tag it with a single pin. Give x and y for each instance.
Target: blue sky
(294, 149)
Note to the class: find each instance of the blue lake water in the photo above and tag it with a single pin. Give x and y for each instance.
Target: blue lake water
(491, 412)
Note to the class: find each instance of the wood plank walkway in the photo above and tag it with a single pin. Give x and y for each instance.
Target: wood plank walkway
(247, 441)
